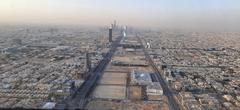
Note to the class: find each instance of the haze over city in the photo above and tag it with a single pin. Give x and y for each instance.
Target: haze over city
(189, 14)
(120, 54)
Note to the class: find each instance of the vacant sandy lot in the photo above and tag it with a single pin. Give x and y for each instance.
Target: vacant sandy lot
(138, 105)
(135, 92)
(111, 92)
(114, 78)
(117, 68)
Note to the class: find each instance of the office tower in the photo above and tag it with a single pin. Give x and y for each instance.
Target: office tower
(110, 34)
(88, 61)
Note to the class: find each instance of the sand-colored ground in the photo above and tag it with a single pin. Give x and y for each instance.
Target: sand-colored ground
(114, 78)
(111, 92)
(135, 93)
(117, 68)
(138, 105)
(131, 59)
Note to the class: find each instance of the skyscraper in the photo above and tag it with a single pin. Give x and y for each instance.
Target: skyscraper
(110, 34)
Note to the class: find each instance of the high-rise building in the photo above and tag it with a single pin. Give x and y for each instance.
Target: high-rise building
(115, 24)
(88, 61)
(110, 34)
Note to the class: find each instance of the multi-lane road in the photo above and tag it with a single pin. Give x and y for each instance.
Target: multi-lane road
(79, 99)
(173, 105)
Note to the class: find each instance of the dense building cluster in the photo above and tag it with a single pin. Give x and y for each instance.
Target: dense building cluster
(41, 64)
(202, 68)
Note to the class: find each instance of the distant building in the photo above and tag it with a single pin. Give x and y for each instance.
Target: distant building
(110, 34)
(88, 62)
(154, 89)
(141, 78)
(115, 24)
(148, 45)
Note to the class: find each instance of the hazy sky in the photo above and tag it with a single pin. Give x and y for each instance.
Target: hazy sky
(222, 14)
